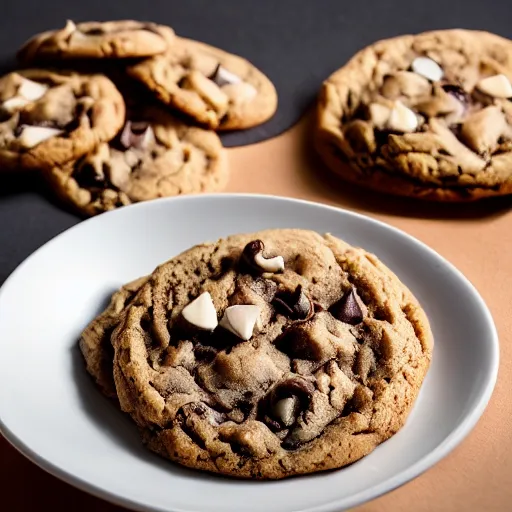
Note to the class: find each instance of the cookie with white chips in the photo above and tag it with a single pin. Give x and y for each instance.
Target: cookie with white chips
(428, 116)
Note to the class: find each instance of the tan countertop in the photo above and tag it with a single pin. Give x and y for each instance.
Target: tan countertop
(475, 238)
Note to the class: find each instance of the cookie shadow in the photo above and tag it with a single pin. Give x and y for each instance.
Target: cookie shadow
(13, 183)
(320, 178)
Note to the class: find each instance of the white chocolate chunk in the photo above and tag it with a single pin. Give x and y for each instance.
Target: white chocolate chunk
(240, 93)
(70, 27)
(33, 135)
(240, 320)
(31, 90)
(275, 264)
(498, 86)
(402, 118)
(201, 312)
(14, 104)
(139, 140)
(379, 115)
(427, 68)
(285, 410)
(224, 77)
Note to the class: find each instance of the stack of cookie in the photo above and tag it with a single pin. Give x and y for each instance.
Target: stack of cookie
(118, 112)
(427, 116)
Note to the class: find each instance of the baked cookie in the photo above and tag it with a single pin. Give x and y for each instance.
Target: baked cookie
(270, 354)
(155, 155)
(95, 340)
(219, 90)
(426, 115)
(95, 40)
(48, 119)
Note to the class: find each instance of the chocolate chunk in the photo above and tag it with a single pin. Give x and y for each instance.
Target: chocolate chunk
(294, 386)
(297, 305)
(457, 92)
(87, 176)
(347, 309)
(205, 353)
(222, 76)
(136, 135)
(285, 402)
(253, 259)
(290, 444)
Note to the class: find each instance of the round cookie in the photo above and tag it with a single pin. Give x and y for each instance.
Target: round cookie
(155, 155)
(271, 354)
(95, 340)
(219, 90)
(428, 116)
(96, 40)
(48, 119)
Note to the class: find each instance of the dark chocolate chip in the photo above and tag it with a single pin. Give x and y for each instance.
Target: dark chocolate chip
(250, 250)
(272, 423)
(297, 305)
(246, 407)
(457, 92)
(318, 308)
(294, 386)
(290, 444)
(249, 256)
(87, 176)
(347, 309)
(205, 353)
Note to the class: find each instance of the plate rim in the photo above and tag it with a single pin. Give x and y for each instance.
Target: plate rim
(455, 437)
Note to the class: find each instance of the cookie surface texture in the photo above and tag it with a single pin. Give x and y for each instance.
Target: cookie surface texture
(428, 116)
(93, 40)
(154, 155)
(270, 355)
(48, 119)
(217, 89)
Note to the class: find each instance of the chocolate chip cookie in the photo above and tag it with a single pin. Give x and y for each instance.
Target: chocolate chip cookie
(93, 40)
(426, 115)
(154, 155)
(95, 340)
(265, 355)
(219, 90)
(48, 119)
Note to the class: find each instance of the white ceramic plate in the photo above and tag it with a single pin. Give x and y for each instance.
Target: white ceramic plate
(51, 412)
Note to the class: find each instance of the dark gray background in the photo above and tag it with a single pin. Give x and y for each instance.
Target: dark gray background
(297, 43)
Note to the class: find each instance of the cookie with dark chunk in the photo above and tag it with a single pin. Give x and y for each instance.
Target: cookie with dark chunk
(95, 39)
(48, 119)
(300, 358)
(426, 115)
(219, 90)
(154, 155)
